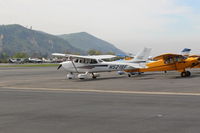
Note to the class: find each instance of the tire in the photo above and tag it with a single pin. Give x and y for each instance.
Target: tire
(129, 75)
(183, 74)
(188, 73)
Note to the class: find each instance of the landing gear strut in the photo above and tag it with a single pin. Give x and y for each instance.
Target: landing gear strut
(186, 74)
(93, 76)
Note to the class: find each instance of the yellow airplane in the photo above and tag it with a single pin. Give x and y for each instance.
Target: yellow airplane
(169, 62)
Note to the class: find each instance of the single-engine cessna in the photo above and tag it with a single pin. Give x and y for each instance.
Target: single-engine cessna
(85, 66)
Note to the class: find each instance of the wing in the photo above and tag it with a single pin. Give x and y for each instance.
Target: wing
(164, 56)
(59, 54)
(101, 56)
(194, 56)
(85, 57)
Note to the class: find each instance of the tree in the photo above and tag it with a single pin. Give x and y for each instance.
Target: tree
(94, 52)
(20, 55)
(4, 57)
(110, 53)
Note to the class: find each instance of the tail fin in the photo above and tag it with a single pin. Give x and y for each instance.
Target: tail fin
(142, 55)
(186, 51)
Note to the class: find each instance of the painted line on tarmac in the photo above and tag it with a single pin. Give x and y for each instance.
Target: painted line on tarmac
(101, 91)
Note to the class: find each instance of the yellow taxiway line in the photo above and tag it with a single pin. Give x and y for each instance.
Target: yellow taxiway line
(104, 91)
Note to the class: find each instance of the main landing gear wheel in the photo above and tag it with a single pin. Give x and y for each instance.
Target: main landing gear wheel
(94, 77)
(129, 75)
(186, 74)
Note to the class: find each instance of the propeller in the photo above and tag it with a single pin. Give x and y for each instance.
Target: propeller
(59, 66)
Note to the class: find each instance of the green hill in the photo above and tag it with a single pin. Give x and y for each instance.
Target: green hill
(16, 38)
(86, 42)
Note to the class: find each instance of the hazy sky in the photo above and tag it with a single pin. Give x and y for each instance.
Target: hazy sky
(164, 25)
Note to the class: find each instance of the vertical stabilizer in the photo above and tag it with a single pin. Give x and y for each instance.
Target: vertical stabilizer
(186, 51)
(142, 55)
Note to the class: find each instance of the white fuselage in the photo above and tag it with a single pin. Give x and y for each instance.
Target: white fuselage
(98, 66)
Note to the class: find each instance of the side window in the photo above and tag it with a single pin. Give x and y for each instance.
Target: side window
(76, 60)
(93, 61)
(178, 58)
(87, 61)
(171, 60)
(166, 61)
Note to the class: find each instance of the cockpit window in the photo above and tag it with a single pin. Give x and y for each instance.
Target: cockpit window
(170, 60)
(76, 60)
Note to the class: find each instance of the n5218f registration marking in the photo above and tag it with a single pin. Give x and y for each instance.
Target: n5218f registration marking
(116, 67)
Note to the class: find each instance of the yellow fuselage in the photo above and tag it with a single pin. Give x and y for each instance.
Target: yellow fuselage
(161, 65)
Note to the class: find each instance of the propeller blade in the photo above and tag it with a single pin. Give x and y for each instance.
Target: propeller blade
(59, 66)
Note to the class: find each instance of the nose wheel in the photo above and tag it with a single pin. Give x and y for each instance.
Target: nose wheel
(186, 74)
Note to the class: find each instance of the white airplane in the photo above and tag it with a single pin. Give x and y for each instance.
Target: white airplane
(85, 66)
(17, 60)
(34, 60)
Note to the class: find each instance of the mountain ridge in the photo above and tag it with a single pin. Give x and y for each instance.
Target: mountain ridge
(16, 38)
(85, 42)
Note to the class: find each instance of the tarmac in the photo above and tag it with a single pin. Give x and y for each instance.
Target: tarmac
(41, 100)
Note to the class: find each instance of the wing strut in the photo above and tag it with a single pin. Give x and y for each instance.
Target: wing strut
(73, 64)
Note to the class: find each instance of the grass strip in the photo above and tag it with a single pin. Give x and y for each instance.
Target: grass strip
(29, 65)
